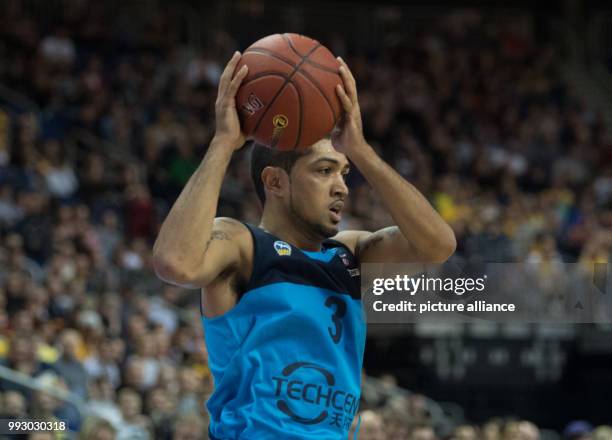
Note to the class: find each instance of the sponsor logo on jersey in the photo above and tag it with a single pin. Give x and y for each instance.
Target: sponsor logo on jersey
(282, 248)
(252, 105)
(347, 262)
(316, 393)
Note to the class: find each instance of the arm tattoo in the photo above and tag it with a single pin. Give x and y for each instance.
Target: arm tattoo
(368, 244)
(216, 235)
(374, 240)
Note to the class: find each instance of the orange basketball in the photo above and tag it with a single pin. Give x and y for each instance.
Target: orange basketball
(288, 99)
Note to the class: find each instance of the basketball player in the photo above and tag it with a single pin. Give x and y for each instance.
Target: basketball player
(281, 304)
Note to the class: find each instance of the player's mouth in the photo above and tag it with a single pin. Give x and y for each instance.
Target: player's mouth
(335, 210)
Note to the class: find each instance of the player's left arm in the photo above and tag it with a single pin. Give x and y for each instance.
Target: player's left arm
(421, 235)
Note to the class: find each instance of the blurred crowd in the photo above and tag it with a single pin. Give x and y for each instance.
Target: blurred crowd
(473, 112)
(390, 425)
(390, 413)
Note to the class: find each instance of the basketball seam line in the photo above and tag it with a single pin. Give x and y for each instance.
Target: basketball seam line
(264, 51)
(320, 66)
(287, 81)
(262, 74)
(306, 74)
(314, 63)
(320, 89)
(299, 133)
(290, 43)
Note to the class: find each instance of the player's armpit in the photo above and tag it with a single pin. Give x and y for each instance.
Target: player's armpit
(351, 238)
(226, 249)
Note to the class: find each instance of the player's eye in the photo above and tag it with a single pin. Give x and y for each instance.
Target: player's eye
(325, 171)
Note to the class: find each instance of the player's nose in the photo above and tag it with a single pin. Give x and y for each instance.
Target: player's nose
(339, 189)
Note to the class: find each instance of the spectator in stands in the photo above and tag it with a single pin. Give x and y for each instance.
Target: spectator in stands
(14, 405)
(59, 175)
(103, 401)
(190, 427)
(47, 407)
(603, 432)
(161, 407)
(371, 426)
(465, 432)
(422, 431)
(22, 358)
(69, 366)
(133, 424)
(492, 430)
(528, 431)
(97, 429)
(578, 430)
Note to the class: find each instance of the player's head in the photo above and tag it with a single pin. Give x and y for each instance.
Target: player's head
(307, 186)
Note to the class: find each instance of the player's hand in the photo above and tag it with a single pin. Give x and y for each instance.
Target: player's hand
(228, 131)
(347, 136)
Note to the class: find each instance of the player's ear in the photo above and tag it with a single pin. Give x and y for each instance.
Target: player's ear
(275, 180)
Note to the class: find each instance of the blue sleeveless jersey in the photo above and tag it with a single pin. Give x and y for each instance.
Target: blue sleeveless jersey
(286, 360)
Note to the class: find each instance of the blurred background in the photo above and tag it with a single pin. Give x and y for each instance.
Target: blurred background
(501, 114)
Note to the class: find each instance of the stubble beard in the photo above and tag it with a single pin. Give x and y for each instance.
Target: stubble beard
(310, 228)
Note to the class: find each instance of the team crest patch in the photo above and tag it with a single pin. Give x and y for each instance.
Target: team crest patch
(282, 248)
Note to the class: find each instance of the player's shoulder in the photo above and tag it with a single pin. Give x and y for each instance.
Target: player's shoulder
(351, 239)
(229, 224)
(234, 234)
(232, 229)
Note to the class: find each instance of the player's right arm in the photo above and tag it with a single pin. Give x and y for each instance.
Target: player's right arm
(188, 250)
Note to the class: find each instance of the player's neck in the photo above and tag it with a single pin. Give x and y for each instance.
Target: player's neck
(284, 228)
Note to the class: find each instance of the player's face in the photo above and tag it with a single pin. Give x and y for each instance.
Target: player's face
(318, 190)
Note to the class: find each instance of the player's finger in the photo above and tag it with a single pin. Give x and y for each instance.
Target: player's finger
(226, 76)
(235, 83)
(338, 127)
(349, 85)
(348, 71)
(347, 104)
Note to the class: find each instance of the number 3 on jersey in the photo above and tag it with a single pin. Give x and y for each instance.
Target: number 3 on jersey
(339, 312)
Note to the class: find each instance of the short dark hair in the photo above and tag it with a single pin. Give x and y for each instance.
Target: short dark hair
(262, 156)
